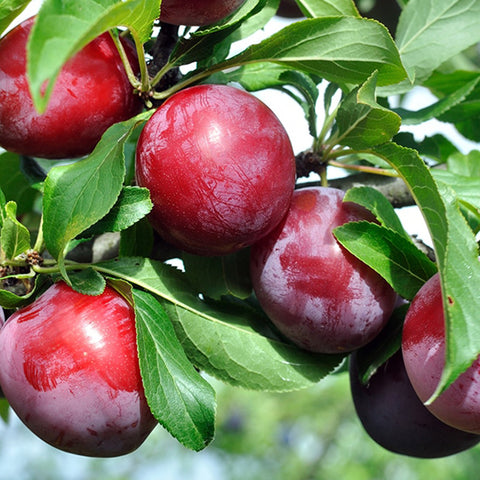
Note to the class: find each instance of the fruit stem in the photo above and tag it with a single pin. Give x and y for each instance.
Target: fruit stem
(327, 125)
(158, 76)
(364, 168)
(143, 85)
(39, 242)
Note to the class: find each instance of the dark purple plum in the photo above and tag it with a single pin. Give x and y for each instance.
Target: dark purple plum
(395, 418)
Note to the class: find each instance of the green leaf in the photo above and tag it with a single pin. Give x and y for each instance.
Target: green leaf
(235, 346)
(423, 27)
(465, 188)
(231, 342)
(362, 122)
(257, 19)
(132, 204)
(203, 43)
(3, 202)
(81, 193)
(328, 8)
(444, 108)
(14, 184)
(15, 237)
(12, 300)
(4, 409)
(180, 399)
(88, 282)
(436, 147)
(63, 28)
(137, 240)
(389, 253)
(467, 165)
(339, 49)
(219, 276)
(457, 258)
(9, 10)
(379, 205)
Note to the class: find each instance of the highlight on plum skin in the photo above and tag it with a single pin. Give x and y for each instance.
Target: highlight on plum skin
(70, 372)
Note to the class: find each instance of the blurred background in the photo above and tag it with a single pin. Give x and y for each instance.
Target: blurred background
(312, 434)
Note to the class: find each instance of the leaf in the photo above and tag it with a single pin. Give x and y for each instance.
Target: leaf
(328, 8)
(132, 204)
(425, 24)
(444, 108)
(436, 147)
(339, 49)
(467, 165)
(137, 240)
(219, 276)
(63, 28)
(15, 238)
(180, 399)
(14, 184)
(362, 122)
(11, 300)
(4, 409)
(232, 342)
(465, 188)
(233, 346)
(3, 202)
(203, 43)
(457, 258)
(378, 204)
(9, 10)
(256, 20)
(88, 282)
(389, 253)
(79, 194)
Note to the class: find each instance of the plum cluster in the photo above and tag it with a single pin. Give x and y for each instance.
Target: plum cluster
(220, 169)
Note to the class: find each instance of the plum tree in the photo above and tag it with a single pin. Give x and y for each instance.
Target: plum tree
(319, 295)
(70, 371)
(280, 275)
(92, 93)
(393, 415)
(220, 169)
(423, 346)
(197, 12)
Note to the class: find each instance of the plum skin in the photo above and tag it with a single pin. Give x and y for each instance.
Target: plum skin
(423, 347)
(197, 12)
(70, 372)
(92, 93)
(289, 9)
(220, 169)
(317, 294)
(395, 418)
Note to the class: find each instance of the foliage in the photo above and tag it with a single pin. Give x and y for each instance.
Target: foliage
(211, 321)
